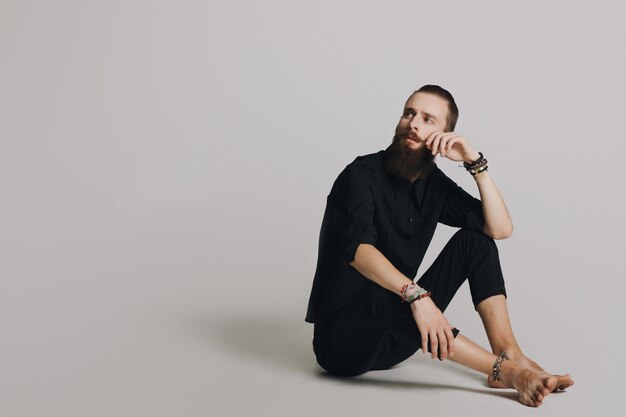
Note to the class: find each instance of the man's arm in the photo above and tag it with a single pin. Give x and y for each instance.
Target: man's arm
(370, 262)
(498, 223)
(431, 323)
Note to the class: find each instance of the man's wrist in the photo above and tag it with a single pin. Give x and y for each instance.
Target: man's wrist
(477, 166)
(415, 305)
(411, 292)
(481, 175)
(473, 157)
(419, 296)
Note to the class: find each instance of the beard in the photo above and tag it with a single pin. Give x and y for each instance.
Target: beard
(405, 163)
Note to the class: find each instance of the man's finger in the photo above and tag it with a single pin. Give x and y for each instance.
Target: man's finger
(435, 136)
(450, 337)
(442, 146)
(450, 143)
(430, 138)
(435, 147)
(443, 140)
(424, 343)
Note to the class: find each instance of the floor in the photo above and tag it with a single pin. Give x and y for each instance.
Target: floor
(164, 170)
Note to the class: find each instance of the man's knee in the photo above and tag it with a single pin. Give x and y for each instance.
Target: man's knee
(342, 367)
(475, 243)
(472, 237)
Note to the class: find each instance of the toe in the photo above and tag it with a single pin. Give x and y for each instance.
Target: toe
(564, 381)
(550, 383)
(533, 403)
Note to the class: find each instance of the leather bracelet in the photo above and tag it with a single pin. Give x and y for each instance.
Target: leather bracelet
(477, 166)
(469, 165)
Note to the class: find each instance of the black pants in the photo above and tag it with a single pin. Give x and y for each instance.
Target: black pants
(377, 331)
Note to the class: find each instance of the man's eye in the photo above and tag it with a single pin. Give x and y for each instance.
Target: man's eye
(427, 119)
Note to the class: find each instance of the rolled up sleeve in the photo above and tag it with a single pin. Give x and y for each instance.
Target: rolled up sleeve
(460, 209)
(353, 213)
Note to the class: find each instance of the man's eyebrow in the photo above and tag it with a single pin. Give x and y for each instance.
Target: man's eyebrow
(412, 110)
(432, 116)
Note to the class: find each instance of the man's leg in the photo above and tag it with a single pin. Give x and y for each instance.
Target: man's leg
(467, 255)
(375, 331)
(532, 385)
(495, 317)
(475, 256)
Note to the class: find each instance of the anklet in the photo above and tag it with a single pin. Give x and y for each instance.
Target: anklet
(497, 365)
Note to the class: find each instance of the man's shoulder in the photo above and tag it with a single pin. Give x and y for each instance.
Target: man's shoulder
(368, 165)
(371, 161)
(443, 183)
(363, 170)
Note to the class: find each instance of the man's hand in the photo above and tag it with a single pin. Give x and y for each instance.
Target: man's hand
(432, 324)
(452, 146)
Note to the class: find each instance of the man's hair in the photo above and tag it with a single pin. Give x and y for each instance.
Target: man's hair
(453, 110)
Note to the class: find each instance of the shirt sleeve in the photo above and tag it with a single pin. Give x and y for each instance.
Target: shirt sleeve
(353, 212)
(460, 209)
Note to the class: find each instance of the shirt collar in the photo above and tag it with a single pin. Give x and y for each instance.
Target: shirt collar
(415, 190)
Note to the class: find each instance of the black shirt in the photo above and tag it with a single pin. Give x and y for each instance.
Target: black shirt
(367, 205)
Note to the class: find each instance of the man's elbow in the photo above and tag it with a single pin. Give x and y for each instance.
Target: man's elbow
(363, 250)
(500, 233)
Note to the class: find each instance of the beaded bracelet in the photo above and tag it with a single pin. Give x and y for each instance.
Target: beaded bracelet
(406, 287)
(497, 366)
(415, 295)
(418, 296)
(476, 171)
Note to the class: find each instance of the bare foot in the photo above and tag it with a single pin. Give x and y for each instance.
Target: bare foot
(533, 386)
(563, 381)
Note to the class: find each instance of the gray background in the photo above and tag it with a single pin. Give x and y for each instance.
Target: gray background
(164, 167)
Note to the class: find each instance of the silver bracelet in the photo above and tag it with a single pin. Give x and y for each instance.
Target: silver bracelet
(497, 366)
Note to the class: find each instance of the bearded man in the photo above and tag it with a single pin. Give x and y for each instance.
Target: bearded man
(380, 217)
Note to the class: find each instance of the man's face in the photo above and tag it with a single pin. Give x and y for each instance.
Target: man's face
(423, 114)
(407, 156)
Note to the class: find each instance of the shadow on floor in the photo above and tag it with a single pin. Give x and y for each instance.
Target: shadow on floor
(287, 344)
(371, 380)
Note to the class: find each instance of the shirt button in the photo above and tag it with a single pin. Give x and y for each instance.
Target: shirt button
(410, 219)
